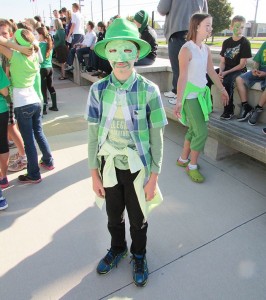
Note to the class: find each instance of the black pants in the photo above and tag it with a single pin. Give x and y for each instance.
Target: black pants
(3, 132)
(118, 198)
(47, 82)
(229, 84)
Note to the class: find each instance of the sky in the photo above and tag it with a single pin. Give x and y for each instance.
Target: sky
(92, 9)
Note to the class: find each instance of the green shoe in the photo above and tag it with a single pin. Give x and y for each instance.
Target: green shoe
(195, 175)
(181, 164)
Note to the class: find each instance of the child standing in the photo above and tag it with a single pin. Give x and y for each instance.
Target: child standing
(126, 120)
(46, 69)
(27, 105)
(193, 96)
(234, 54)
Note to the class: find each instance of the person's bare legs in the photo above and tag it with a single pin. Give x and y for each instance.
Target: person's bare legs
(4, 164)
(194, 157)
(186, 150)
(242, 90)
(63, 73)
(15, 135)
(262, 100)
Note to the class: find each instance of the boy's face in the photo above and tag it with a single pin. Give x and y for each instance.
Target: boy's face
(238, 28)
(121, 55)
(4, 31)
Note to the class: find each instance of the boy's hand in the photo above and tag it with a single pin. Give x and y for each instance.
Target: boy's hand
(97, 185)
(261, 73)
(255, 72)
(150, 187)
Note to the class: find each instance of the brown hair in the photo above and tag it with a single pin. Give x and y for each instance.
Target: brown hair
(43, 31)
(28, 36)
(238, 19)
(68, 16)
(4, 22)
(76, 5)
(58, 24)
(195, 20)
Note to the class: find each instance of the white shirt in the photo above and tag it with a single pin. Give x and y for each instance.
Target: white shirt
(197, 67)
(89, 39)
(78, 20)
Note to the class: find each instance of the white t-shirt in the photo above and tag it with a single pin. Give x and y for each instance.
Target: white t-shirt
(78, 20)
(197, 67)
(89, 39)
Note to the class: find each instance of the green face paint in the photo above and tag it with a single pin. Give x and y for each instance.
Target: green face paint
(121, 51)
(238, 28)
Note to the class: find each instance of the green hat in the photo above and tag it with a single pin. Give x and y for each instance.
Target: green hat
(122, 29)
(142, 18)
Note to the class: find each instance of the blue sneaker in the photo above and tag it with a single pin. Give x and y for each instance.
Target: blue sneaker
(3, 204)
(140, 270)
(110, 261)
(4, 183)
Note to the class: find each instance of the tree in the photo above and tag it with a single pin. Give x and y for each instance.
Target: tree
(221, 11)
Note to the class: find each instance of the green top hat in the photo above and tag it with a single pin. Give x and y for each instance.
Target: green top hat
(122, 29)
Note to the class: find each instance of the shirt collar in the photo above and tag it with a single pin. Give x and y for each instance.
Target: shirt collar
(125, 85)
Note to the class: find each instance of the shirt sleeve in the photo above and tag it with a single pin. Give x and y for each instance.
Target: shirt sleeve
(93, 129)
(4, 81)
(246, 49)
(157, 118)
(156, 142)
(164, 7)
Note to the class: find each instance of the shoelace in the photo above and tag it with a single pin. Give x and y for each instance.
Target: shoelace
(139, 264)
(110, 257)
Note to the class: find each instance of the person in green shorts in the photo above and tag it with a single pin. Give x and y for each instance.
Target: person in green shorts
(193, 96)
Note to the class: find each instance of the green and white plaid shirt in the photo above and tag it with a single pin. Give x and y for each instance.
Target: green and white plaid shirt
(142, 109)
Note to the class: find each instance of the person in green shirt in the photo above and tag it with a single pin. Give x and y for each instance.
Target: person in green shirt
(46, 69)
(60, 47)
(126, 119)
(247, 80)
(27, 104)
(4, 149)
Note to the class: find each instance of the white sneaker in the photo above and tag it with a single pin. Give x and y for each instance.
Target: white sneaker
(17, 165)
(172, 101)
(169, 94)
(69, 68)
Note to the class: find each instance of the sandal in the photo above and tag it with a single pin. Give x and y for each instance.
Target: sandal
(182, 164)
(62, 78)
(195, 175)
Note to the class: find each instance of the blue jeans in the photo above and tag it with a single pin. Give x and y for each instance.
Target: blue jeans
(30, 125)
(176, 41)
(77, 38)
(250, 79)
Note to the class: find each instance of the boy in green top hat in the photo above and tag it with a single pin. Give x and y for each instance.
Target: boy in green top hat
(126, 119)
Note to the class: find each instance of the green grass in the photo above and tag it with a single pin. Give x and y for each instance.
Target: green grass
(218, 41)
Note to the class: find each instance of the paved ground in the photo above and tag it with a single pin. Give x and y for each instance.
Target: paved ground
(204, 242)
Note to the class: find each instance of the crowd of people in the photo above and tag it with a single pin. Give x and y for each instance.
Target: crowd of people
(125, 112)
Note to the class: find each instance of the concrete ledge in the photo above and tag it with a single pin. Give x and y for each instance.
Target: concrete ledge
(160, 73)
(229, 137)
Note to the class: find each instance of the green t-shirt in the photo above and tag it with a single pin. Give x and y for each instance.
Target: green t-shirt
(23, 70)
(47, 62)
(4, 82)
(260, 57)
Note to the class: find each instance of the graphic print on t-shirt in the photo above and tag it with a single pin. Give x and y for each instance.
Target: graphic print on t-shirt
(232, 52)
